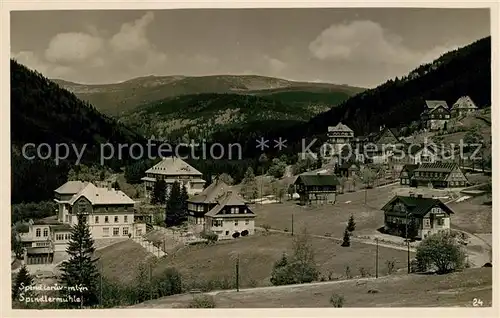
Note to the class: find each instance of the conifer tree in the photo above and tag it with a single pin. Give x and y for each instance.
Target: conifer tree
(159, 192)
(80, 269)
(249, 188)
(23, 279)
(346, 242)
(351, 225)
(173, 210)
(184, 198)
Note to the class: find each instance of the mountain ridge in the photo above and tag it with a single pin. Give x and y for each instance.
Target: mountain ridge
(118, 98)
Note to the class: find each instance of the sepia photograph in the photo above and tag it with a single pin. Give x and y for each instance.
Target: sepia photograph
(314, 157)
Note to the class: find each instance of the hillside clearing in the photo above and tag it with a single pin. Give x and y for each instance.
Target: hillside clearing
(257, 256)
(456, 289)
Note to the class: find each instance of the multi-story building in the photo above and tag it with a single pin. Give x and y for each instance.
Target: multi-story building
(173, 169)
(339, 137)
(230, 217)
(436, 115)
(203, 202)
(108, 212)
(422, 216)
(463, 106)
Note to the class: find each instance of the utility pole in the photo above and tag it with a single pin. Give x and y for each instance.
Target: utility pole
(150, 283)
(292, 224)
(100, 292)
(376, 260)
(238, 273)
(407, 242)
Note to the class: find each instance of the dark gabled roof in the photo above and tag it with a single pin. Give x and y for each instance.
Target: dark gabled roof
(217, 189)
(436, 103)
(409, 168)
(317, 180)
(230, 198)
(417, 206)
(437, 167)
(63, 227)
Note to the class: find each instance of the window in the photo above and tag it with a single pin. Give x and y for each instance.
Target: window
(38, 232)
(66, 236)
(125, 219)
(105, 231)
(440, 221)
(96, 219)
(45, 232)
(126, 208)
(247, 222)
(67, 218)
(236, 223)
(125, 231)
(427, 223)
(116, 231)
(227, 232)
(116, 219)
(106, 219)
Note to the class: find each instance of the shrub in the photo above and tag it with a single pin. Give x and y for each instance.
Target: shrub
(266, 227)
(203, 301)
(211, 237)
(301, 268)
(441, 252)
(337, 301)
(363, 272)
(348, 272)
(236, 234)
(390, 267)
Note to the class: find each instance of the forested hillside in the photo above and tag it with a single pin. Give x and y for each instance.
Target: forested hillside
(42, 112)
(395, 103)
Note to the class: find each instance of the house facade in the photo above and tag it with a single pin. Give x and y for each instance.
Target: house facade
(316, 188)
(379, 147)
(205, 201)
(422, 153)
(436, 115)
(108, 212)
(339, 137)
(463, 106)
(440, 175)
(419, 216)
(406, 175)
(230, 217)
(173, 169)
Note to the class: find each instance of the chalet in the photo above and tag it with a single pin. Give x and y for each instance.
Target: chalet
(172, 169)
(379, 147)
(436, 115)
(422, 153)
(463, 106)
(406, 176)
(340, 134)
(320, 188)
(108, 212)
(230, 217)
(203, 202)
(440, 175)
(418, 215)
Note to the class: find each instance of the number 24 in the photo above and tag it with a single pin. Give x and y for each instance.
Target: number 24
(477, 302)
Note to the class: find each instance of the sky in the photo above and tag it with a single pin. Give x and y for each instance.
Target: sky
(355, 46)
